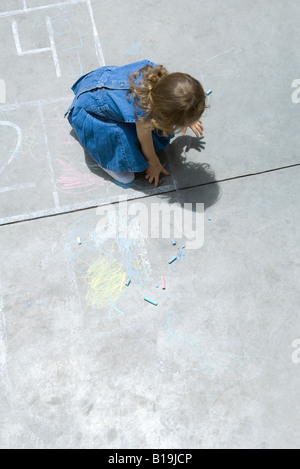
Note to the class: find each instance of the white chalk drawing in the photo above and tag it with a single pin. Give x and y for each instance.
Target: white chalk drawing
(52, 47)
(16, 187)
(17, 147)
(236, 49)
(96, 36)
(49, 22)
(27, 10)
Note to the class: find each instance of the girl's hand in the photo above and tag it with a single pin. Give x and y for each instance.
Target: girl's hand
(197, 128)
(153, 171)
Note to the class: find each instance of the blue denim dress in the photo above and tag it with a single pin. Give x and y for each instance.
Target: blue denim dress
(104, 118)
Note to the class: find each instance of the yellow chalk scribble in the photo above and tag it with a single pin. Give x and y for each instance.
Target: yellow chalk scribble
(106, 279)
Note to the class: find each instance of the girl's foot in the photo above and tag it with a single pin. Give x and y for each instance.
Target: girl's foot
(125, 178)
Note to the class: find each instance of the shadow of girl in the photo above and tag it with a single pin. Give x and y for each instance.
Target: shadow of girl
(185, 174)
(192, 179)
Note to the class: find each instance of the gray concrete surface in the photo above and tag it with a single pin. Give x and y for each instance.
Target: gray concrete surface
(85, 362)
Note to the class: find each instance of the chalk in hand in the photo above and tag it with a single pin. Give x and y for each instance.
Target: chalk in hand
(150, 301)
(172, 260)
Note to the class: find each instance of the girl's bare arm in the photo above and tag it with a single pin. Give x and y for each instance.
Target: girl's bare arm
(144, 133)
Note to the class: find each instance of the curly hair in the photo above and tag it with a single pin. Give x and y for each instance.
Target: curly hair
(169, 101)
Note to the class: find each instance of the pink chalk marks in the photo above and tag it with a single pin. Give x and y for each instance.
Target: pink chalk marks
(71, 180)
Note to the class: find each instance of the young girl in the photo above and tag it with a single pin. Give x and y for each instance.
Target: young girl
(124, 115)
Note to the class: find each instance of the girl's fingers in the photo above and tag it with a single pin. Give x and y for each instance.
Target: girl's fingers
(199, 129)
(155, 179)
(194, 129)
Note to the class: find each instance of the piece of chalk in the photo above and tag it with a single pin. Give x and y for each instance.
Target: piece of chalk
(172, 260)
(79, 241)
(208, 92)
(150, 301)
(163, 286)
(128, 282)
(173, 242)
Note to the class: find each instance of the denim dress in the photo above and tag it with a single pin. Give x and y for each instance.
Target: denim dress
(104, 118)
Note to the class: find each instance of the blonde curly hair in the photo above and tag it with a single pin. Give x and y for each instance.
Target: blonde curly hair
(170, 101)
